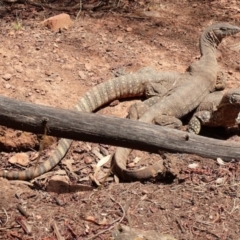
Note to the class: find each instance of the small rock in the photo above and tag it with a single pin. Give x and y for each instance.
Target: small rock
(88, 66)
(36, 35)
(193, 165)
(129, 29)
(58, 22)
(82, 75)
(119, 39)
(104, 151)
(58, 39)
(131, 165)
(7, 86)
(58, 79)
(88, 160)
(7, 76)
(48, 73)
(122, 232)
(18, 68)
(114, 103)
(96, 152)
(68, 66)
(150, 14)
(20, 158)
(59, 184)
(220, 180)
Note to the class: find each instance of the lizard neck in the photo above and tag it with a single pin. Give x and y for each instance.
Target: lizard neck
(208, 43)
(207, 64)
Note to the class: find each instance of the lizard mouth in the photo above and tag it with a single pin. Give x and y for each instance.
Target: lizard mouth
(234, 31)
(225, 31)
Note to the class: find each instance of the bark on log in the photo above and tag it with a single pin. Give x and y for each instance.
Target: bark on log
(115, 131)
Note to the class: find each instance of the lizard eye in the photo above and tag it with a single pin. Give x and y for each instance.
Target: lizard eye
(223, 29)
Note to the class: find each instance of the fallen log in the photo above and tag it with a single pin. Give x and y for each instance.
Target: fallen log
(115, 131)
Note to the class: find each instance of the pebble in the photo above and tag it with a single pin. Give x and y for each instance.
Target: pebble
(131, 165)
(82, 75)
(7, 76)
(88, 160)
(18, 68)
(7, 86)
(68, 66)
(88, 66)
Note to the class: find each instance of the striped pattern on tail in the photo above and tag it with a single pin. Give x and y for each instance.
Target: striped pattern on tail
(125, 86)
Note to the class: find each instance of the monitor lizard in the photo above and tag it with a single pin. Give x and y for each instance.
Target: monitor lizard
(136, 85)
(180, 100)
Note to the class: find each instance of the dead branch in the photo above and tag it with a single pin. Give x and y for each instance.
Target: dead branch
(115, 131)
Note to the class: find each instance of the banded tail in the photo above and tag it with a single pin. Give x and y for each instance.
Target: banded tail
(131, 85)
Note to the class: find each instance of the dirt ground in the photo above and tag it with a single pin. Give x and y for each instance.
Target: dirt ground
(55, 69)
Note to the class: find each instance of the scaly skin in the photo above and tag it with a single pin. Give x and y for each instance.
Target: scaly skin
(217, 110)
(132, 85)
(197, 83)
(138, 109)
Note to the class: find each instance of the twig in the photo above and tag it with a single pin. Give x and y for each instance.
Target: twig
(80, 9)
(113, 223)
(234, 206)
(56, 231)
(21, 182)
(180, 225)
(6, 216)
(23, 211)
(4, 229)
(117, 3)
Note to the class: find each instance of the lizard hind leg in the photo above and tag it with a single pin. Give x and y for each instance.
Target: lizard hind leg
(168, 121)
(138, 109)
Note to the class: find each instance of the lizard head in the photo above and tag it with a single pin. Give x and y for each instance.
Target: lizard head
(224, 29)
(214, 34)
(232, 96)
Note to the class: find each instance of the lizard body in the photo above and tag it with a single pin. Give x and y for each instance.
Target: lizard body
(195, 85)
